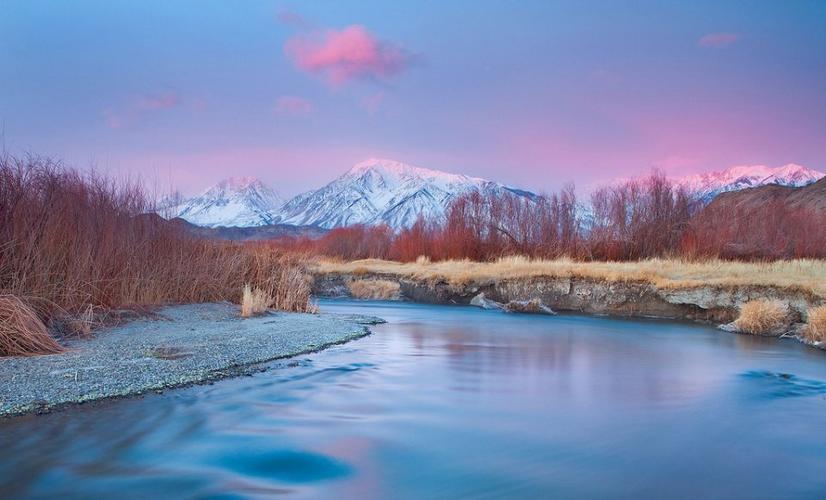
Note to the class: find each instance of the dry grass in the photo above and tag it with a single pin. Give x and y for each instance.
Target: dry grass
(255, 301)
(762, 316)
(422, 260)
(808, 276)
(76, 245)
(816, 326)
(374, 289)
(22, 332)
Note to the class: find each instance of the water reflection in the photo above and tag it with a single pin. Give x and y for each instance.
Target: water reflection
(451, 402)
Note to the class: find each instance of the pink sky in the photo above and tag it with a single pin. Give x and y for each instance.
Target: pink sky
(534, 94)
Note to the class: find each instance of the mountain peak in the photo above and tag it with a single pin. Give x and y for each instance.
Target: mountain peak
(710, 184)
(380, 164)
(234, 201)
(237, 184)
(793, 174)
(393, 170)
(384, 191)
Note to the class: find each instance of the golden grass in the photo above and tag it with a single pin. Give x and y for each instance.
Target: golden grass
(808, 276)
(374, 289)
(21, 331)
(255, 301)
(816, 326)
(762, 316)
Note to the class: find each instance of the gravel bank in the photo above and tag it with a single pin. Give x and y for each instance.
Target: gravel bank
(181, 345)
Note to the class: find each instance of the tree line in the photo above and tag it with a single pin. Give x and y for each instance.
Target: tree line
(632, 220)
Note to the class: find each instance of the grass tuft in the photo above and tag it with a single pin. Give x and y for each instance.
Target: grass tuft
(762, 316)
(816, 326)
(374, 289)
(22, 333)
(255, 301)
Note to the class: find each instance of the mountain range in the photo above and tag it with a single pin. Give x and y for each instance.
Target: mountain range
(707, 186)
(385, 191)
(374, 191)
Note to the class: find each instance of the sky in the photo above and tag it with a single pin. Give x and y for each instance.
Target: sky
(533, 94)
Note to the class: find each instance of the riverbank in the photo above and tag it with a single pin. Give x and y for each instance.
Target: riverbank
(711, 291)
(180, 345)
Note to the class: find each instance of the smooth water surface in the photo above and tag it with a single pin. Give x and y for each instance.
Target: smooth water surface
(446, 402)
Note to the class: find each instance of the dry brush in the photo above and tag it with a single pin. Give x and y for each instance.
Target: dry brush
(74, 242)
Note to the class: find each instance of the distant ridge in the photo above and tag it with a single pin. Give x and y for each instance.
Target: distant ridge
(375, 191)
(383, 191)
(379, 191)
(708, 185)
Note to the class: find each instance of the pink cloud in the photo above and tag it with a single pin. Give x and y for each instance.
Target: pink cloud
(718, 39)
(139, 107)
(294, 105)
(349, 54)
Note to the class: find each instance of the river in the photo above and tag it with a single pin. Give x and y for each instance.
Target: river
(446, 402)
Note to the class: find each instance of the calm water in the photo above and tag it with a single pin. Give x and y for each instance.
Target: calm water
(457, 402)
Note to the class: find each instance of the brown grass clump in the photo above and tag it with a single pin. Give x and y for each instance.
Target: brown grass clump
(21, 331)
(374, 289)
(762, 316)
(422, 260)
(360, 271)
(255, 301)
(816, 326)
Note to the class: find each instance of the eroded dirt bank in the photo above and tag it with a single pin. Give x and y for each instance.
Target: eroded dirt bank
(587, 295)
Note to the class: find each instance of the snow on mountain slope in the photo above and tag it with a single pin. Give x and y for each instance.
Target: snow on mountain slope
(710, 184)
(237, 201)
(385, 191)
(380, 191)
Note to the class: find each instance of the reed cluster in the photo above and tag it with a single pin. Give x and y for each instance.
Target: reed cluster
(74, 243)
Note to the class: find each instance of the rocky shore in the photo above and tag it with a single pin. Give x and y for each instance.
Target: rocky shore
(178, 346)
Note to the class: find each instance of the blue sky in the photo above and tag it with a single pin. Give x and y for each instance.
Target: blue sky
(530, 93)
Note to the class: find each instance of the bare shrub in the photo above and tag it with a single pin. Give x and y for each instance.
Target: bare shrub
(374, 289)
(255, 301)
(762, 316)
(21, 331)
(77, 243)
(816, 326)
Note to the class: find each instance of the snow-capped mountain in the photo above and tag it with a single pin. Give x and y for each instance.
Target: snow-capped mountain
(237, 201)
(380, 191)
(385, 191)
(708, 185)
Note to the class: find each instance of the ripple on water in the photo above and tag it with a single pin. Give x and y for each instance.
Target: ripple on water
(776, 385)
(287, 465)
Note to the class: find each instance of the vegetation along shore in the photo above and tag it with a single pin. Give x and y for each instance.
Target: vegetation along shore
(723, 292)
(125, 301)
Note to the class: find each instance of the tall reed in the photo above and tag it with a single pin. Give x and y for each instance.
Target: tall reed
(73, 241)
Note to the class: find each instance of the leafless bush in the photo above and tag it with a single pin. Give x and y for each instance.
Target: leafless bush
(72, 241)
